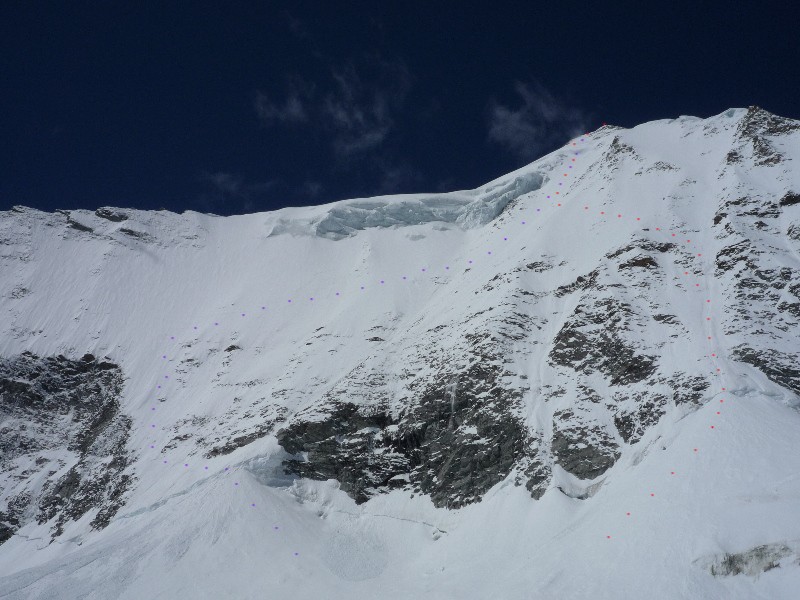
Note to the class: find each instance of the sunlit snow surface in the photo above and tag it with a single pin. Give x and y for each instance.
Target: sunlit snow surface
(252, 532)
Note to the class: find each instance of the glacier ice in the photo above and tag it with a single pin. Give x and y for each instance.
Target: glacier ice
(466, 209)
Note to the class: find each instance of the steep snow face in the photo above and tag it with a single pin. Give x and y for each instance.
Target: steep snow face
(579, 378)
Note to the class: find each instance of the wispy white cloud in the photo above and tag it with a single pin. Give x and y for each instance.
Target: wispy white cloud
(292, 110)
(395, 177)
(540, 122)
(357, 110)
(296, 26)
(225, 183)
(310, 189)
(354, 108)
(230, 192)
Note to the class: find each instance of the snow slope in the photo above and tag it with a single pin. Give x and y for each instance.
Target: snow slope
(579, 380)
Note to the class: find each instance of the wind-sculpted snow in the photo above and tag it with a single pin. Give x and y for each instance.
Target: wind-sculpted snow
(580, 376)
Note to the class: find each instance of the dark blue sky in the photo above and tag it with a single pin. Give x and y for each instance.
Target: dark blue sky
(232, 107)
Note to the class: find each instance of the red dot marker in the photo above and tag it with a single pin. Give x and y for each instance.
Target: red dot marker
(652, 494)
(629, 514)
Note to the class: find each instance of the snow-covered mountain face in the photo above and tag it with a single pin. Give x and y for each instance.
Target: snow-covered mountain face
(580, 379)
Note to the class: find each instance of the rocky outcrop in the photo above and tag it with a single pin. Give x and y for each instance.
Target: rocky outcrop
(452, 432)
(779, 367)
(63, 416)
(458, 439)
(789, 199)
(581, 448)
(647, 410)
(222, 445)
(757, 127)
(592, 339)
(113, 215)
(617, 152)
(751, 563)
